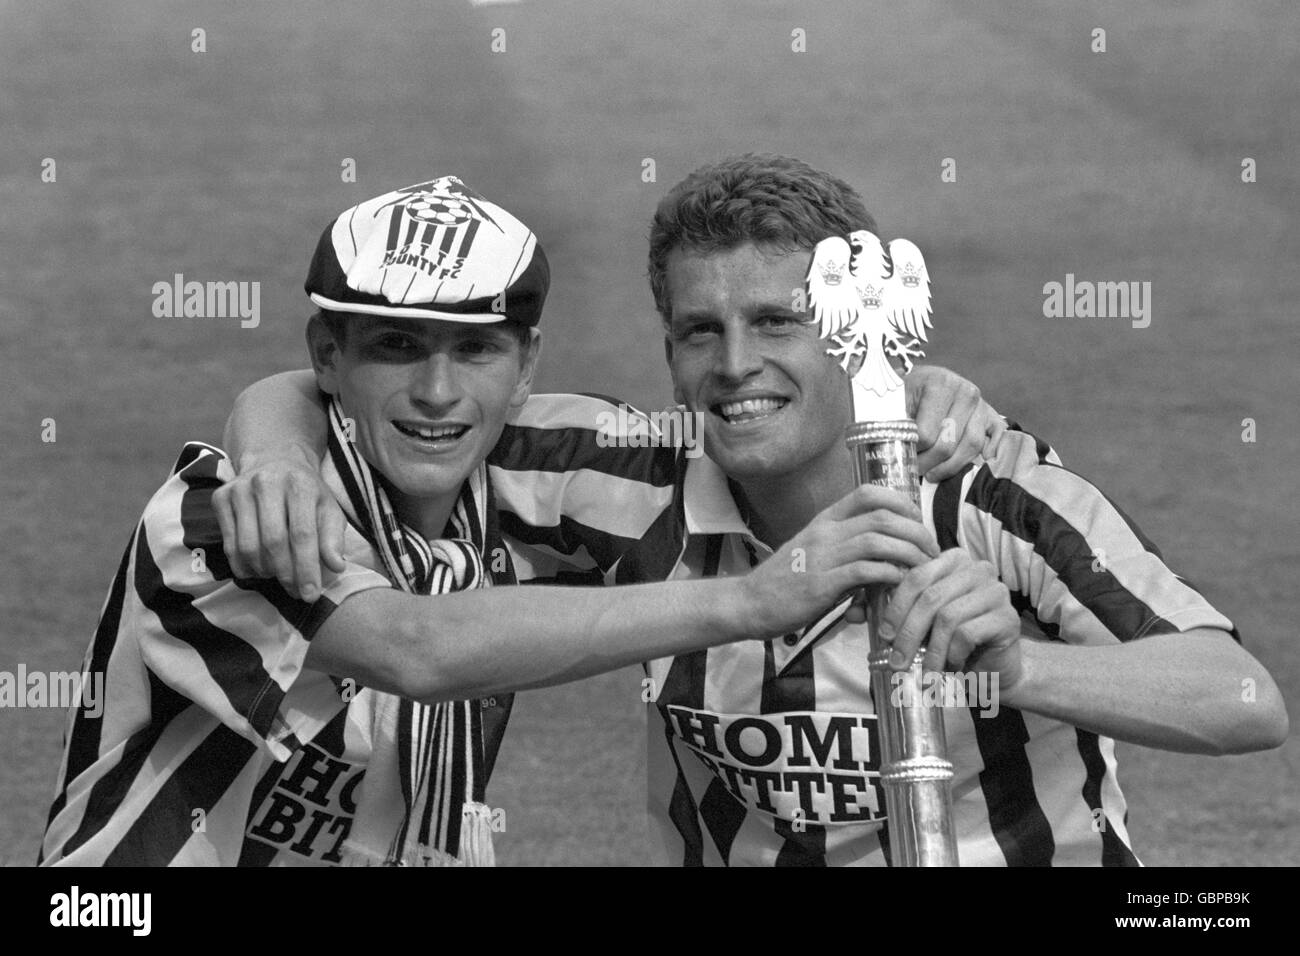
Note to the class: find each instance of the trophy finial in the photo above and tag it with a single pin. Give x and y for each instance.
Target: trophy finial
(881, 313)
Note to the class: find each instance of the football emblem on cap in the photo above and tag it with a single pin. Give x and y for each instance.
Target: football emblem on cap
(443, 210)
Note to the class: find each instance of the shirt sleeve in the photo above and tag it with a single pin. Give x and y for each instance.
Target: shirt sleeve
(1074, 562)
(579, 479)
(235, 647)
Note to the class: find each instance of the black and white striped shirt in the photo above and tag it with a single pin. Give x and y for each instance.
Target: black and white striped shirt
(767, 753)
(215, 745)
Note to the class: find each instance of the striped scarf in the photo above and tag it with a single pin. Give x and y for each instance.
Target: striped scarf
(433, 756)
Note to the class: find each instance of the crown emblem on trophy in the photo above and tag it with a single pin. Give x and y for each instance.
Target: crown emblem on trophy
(911, 276)
(870, 296)
(832, 273)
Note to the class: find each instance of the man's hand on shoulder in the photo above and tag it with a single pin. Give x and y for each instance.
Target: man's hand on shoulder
(955, 424)
(279, 520)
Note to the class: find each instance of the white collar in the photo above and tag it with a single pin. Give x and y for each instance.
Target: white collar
(707, 502)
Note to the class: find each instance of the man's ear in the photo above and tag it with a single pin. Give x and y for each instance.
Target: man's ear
(324, 353)
(528, 368)
(668, 355)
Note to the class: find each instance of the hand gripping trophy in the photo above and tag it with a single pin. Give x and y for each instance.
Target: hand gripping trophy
(874, 304)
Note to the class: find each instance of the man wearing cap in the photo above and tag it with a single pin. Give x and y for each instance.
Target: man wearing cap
(245, 726)
(766, 752)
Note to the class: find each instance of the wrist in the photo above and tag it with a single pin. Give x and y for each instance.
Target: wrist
(1023, 687)
(739, 609)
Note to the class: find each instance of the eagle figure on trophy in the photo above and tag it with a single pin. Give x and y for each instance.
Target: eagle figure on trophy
(874, 303)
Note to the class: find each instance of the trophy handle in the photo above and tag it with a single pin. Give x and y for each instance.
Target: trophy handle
(914, 768)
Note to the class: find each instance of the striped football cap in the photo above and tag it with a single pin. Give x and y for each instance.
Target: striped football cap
(436, 250)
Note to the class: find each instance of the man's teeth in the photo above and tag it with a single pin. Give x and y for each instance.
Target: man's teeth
(432, 434)
(751, 406)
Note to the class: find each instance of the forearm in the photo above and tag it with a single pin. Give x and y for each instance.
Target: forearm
(274, 417)
(1194, 692)
(475, 643)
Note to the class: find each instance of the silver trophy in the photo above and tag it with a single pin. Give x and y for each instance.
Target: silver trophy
(874, 304)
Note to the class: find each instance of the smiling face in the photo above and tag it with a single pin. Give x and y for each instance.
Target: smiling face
(429, 399)
(774, 405)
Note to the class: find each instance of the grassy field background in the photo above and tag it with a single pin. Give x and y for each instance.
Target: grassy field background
(225, 165)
